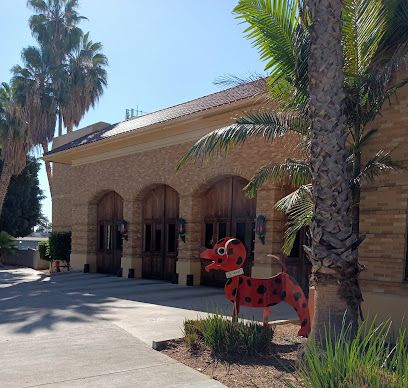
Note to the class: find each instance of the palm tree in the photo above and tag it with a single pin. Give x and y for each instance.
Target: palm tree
(13, 136)
(55, 27)
(87, 79)
(36, 94)
(373, 48)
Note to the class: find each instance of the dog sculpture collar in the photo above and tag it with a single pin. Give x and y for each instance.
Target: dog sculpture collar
(236, 272)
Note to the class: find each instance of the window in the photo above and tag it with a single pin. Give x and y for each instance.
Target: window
(209, 233)
(251, 253)
(108, 237)
(101, 236)
(157, 238)
(171, 243)
(148, 238)
(119, 239)
(240, 234)
(222, 230)
(295, 252)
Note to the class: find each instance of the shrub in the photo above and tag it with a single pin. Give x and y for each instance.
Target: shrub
(7, 244)
(44, 250)
(60, 245)
(224, 336)
(365, 361)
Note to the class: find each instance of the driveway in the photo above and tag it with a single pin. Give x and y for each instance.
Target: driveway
(94, 330)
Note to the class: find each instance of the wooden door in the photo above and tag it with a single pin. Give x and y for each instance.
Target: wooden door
(110, 243)
(160, 214)
(226, 211)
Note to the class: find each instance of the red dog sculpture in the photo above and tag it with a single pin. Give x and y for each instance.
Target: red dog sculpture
(229, 255)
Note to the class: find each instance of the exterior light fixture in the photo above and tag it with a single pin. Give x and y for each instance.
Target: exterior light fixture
(181, 227)
(124, 229)
(260, 228)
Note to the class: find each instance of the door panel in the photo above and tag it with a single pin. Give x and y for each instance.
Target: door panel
(109, 241)
(226, 211)
(160, 214)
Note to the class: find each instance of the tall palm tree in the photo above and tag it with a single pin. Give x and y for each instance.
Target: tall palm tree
(36, 94)
(373, 48)
(87, 79)
(335, 267)
(13, 137)
(55, 27)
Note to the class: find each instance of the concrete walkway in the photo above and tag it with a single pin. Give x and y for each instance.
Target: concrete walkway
(93, 330)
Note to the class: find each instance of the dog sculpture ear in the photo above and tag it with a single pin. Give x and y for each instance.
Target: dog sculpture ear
(236, 254)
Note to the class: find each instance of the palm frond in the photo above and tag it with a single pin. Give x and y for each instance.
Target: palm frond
(379, 163)
(298, 206)
(272, 26)
(266, 125)
(291, 172)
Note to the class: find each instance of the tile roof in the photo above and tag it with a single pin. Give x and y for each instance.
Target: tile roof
(201, 104)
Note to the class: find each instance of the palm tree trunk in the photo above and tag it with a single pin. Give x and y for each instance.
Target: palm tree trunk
(335, 268)
(59, 123)
(6, 175)
(47, 166)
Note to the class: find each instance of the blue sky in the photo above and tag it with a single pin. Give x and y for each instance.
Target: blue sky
(160, 53)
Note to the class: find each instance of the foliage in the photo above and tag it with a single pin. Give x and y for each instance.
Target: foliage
(22, 205)
(224, 336)
(13, 138)
(44, 251)
(60, 245)
(7, 244)
(368, 360)
(375, 37)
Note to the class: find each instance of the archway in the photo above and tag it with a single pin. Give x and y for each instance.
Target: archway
(160, 213)
(109, 241)
(226, 211)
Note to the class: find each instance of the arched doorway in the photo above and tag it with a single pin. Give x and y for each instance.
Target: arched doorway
(226, 211)
(109, 248)
(160, 214)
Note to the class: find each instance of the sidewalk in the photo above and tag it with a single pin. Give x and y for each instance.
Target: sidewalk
(94, 330)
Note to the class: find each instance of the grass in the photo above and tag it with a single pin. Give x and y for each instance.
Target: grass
(367, 361)
(222, 335)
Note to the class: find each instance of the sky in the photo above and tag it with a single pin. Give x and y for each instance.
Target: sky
(160, 53)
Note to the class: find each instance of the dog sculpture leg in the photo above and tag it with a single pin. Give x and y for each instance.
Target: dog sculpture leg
(266, 313)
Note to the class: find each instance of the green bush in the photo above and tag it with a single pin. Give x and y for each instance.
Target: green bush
(224, 336)
(60, 245)
(44, 250)
(368, 360)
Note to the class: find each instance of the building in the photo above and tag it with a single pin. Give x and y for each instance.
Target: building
(106, 173)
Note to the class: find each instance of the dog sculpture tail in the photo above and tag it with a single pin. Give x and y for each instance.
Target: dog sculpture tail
(280, 261)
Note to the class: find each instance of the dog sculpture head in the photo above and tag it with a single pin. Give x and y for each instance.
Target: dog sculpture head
(228, 254)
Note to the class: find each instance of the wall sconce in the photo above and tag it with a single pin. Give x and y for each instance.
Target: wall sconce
(124, 229)
(260, 228)
(181, 226)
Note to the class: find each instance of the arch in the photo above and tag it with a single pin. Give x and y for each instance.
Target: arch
(96, 196)
(148, 185)
(215, 175)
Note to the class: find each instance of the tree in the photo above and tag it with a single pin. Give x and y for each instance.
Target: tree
(64, 76)
(7, 245)
(22, 205)
(335, 267)
(36, 92)
(86, 81)
(373, 48)
(55, 27)
(13, 137)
